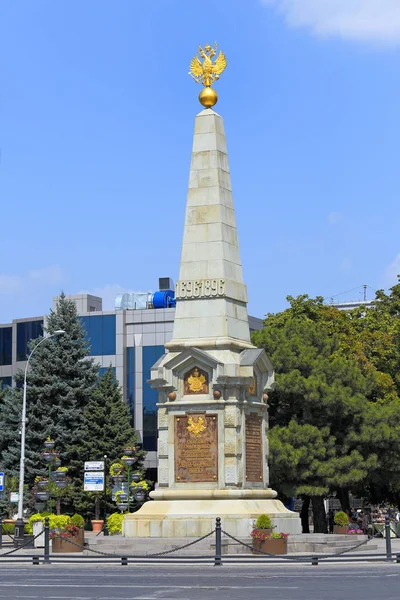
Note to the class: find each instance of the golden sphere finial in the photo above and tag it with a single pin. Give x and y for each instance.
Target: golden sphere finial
(208, 97)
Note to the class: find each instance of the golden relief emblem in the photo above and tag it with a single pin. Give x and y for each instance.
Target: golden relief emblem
(207, 72)
(252, 389)
(196, 427)
(196, 382)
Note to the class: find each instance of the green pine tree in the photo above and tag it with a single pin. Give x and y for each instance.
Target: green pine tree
(61, 380)
(326, 380)
(106, 430)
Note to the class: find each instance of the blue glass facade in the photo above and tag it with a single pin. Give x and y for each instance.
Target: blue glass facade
(130, 381)
(29, 330)
(6, 346)
(100, 332)
(5, 381)
(150, 355)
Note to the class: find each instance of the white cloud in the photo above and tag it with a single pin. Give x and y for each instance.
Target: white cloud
(10, 283)
(108, 293)
(334, 218)
(363, 20)
(46, 276)
(392, 271)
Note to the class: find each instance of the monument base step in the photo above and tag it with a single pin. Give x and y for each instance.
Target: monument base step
(121, 545)
(195, 518)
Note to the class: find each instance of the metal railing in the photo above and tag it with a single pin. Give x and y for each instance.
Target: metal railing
(216, 558)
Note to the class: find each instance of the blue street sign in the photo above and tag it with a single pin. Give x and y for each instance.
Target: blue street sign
(1, 482)
(93, 481)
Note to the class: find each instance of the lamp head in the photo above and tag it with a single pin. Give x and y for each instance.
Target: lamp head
(58, 332)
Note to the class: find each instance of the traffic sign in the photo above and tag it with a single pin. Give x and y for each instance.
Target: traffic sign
(1, 482)
(93, 481)
(94, 465)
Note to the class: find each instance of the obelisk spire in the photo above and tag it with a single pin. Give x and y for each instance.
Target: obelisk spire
(210, 294)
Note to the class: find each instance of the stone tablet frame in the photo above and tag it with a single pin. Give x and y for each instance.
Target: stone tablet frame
(196, 450)
(254, 471)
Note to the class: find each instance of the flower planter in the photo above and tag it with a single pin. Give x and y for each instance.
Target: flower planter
(42, 484)
(97, 525)
(61, 545)
(49, 444)
(42, 496)
(272, 546)
(340, 529)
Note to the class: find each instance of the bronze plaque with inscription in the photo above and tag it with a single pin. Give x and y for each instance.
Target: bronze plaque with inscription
(196, 447)
(254, 457)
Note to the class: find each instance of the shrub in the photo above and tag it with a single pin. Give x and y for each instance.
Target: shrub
(77, 520)
(116, 468)
(263, 522)
(341, 519)
(143, 483)
(33, 519)
(55, 521)
(114, 523)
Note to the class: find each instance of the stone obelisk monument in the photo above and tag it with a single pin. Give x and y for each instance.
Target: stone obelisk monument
(212, 383)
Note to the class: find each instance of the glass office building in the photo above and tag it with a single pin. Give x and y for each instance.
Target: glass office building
(130, 340)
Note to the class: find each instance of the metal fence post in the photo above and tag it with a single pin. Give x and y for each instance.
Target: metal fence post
(388, 539)
(314, 561)
(1, 531)
(217, 559)
(46, 557)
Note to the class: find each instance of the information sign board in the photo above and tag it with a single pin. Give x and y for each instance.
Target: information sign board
(94, 465)
(14, 496)
(93, 481)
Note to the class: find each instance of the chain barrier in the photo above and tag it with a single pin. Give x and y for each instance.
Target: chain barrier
(23, 545)
(284, 557)
(303, 558)
(68, 539)
(204, 537)
(6, 533)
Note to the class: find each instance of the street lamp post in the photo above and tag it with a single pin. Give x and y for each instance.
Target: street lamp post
(19, 524)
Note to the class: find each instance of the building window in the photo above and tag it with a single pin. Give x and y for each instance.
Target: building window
(130, 381)
(6, 346)
(150, 397)
(5, 382)
(27, 331)
(100, 334)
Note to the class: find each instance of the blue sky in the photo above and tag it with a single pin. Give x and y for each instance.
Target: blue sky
(96, 124)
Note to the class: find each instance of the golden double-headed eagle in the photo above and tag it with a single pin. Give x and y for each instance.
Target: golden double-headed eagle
(207, 72)
(196, 427)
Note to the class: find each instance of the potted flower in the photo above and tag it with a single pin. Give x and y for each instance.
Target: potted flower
(68, 539)
(129, 450)
(341, 522)
(128, 460)
(116, 470)
(60, 472)
(41, 482)
(49, 443)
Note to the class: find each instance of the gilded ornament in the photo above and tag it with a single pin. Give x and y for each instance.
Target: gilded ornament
(196, 382)
(207, 72)
(196, 427)
(172, 396)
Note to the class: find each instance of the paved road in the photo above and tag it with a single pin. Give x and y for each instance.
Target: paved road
(192, 582)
